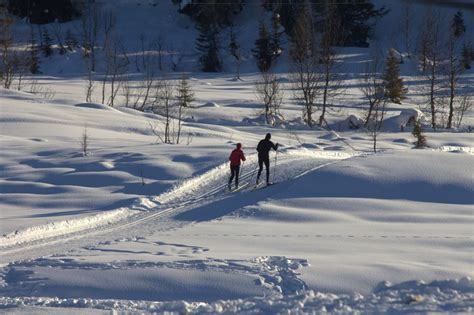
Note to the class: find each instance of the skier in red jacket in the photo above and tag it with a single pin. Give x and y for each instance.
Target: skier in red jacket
(235, 157)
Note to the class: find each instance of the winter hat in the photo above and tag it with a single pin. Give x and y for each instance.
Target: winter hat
(239, 145)
(268, 136)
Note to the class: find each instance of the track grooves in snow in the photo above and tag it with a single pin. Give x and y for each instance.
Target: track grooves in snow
(191, 193)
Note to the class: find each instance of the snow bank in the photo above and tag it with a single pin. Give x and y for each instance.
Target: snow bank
(59, 228)
(406, 118)
(209, 104)
(445, 296)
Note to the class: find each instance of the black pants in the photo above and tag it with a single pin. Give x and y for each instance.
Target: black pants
(264, 160)
(234, 172)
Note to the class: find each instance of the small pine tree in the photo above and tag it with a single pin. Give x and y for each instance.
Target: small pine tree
(208, 45)
(419, 136)
(47, 42)
(184, 97)
(466, 56)
(457, 25)
(234, 49)
(185, 94)
(394, 87)
(263, 49)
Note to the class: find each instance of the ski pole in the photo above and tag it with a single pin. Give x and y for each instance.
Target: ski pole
(241, 171)
(274, 166)
(255, 170)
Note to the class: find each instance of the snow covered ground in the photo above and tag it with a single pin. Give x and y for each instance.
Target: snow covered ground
(140, 226)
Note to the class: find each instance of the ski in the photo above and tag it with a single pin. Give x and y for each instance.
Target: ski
(263, 185)
(236, 189)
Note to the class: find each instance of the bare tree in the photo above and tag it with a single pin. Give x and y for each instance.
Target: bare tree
(184, 97)
(22, 66)
(331, 82)
(90, 80)
(371, 84)
(126, 92)
(159, 45)
(466, 103)
(110, 48)
(109, 22)
(304, 59)
(149, 63)
(375, 125)
(164, 94)
(407, 18)
(9, 58)
(90, 28)
(154, 128)
(424, 39)
(269, 92)
(453, 69)
(84, 141)
(119, 67)
(432, 27)
(90, 25)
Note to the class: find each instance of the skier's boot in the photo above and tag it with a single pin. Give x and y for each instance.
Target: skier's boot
(229, 186)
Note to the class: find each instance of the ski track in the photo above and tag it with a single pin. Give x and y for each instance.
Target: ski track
(146, 214)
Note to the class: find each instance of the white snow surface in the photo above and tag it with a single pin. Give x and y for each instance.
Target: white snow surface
(137, 226)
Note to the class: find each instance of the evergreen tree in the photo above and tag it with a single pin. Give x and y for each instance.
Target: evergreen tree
(208, 45)
(34, 60)
(466, 56)
(43, 11)
(457, 24)
(263, 51)
(47, 41)
(234, 49)
(419, 136)
(184, 97)
(287, 12)
(394, 88)
(357, 20)
(213, 11)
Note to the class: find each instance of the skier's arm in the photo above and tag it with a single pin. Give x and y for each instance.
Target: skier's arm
(242, 157)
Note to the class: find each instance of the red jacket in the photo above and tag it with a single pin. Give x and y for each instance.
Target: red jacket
(235, 157)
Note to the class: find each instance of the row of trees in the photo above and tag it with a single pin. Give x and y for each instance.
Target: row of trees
(317, 81)
(315, 66)
(355, 24)
(442, 62)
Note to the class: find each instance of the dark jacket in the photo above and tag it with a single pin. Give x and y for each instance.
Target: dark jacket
(264, 147)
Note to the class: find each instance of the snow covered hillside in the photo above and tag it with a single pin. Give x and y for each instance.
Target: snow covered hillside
(99, 215)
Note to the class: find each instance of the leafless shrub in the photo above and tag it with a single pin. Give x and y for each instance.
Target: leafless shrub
(84, 141)
(155, 130)
(269, 92)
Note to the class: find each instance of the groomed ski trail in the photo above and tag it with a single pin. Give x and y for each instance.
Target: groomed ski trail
(154, 213)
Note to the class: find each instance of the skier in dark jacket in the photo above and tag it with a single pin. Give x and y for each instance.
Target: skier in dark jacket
(235, 157)
(263, 148)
